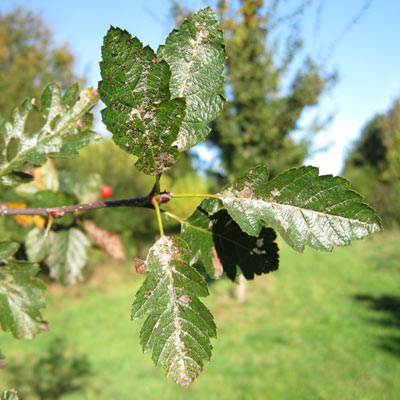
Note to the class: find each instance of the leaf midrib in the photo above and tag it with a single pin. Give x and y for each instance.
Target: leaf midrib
(299, 209)
(190, 64)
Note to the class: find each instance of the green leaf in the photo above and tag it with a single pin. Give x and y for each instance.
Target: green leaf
(21, 299)
(304, 208)
(178, 325)
(10, 394)
(48, 198)
(71, 95)
(222, 246)
(50, 176)
(85, 188)
(196, 56)
(7, 249)
(67, 255)
(37, 245)
(140, 115)
(65, 131)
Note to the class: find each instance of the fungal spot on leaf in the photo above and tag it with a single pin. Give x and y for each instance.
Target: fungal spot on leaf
(185, 299)
(257, 251)
(140, 266)
(246, 193)
(260, 242)
(275, 192)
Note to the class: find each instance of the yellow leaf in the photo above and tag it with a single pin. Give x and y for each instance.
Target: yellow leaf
(39, 221)
(16, 205)
(23, 220)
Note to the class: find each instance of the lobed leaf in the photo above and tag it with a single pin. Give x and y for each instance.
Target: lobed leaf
(143, 119)
(21, 298)
(178, 326)
(65, 131)
(302, 206)
(215, 238)
(67, 255)
(196, 56)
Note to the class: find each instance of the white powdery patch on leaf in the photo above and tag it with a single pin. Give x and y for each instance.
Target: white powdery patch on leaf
(21, 298)
(196, 56)
(178, 325)
(302, 206)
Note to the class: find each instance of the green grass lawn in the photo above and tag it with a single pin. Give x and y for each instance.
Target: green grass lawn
(325, 326)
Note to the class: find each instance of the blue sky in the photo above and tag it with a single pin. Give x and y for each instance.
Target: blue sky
(366, 57)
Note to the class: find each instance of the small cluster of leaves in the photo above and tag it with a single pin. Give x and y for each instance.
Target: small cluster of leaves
(64, 249)
(159, 104)
(237, 230)
(67, 129)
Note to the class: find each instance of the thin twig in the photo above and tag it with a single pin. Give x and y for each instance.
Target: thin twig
(58, 212)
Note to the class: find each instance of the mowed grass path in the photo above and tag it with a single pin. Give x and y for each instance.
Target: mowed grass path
(325, 326)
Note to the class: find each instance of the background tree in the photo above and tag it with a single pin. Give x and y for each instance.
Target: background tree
(30, 59)
(374, 163)
(257, 123)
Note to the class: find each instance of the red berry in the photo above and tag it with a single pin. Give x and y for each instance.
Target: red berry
(106, 192)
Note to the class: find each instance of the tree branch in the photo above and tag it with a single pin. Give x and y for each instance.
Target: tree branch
(58, 212)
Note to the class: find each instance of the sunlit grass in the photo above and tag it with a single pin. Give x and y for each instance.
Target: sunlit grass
(325, 326)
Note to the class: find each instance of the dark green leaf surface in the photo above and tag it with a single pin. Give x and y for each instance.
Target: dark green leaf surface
(302, 206)
(196, 55)
(21, 299)
(65, 131)
(221, 245)
(67, 255)
(135, 89)
(178, 326)
(7, 249)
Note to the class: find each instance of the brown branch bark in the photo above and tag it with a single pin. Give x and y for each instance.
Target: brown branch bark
(58, 212)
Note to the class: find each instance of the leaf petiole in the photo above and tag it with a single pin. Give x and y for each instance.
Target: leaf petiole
(183, 196)
(154, 200)
(49, 225)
